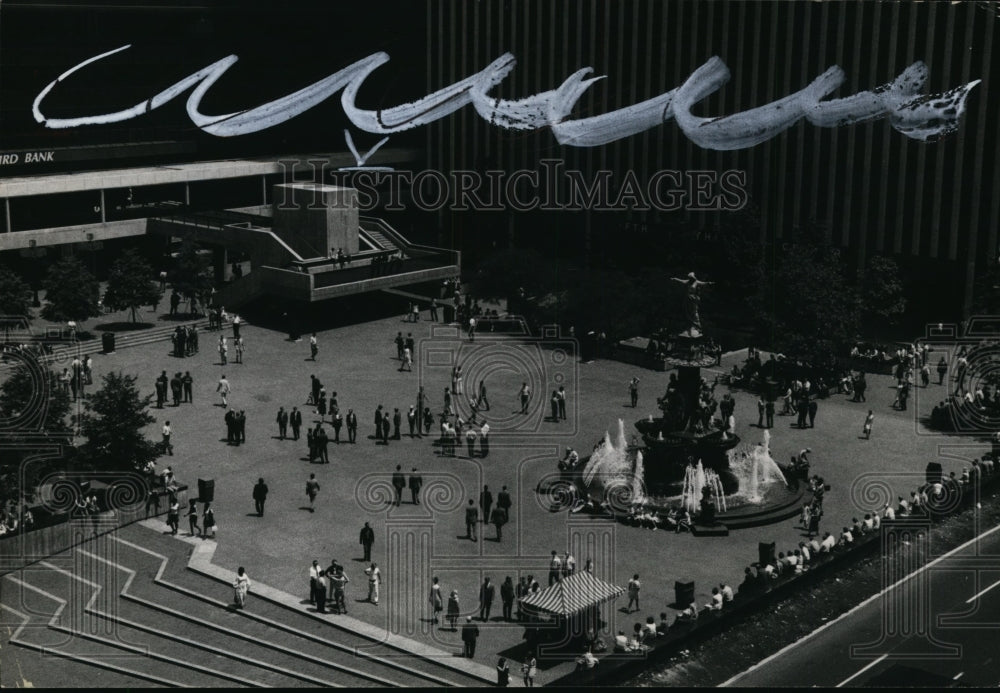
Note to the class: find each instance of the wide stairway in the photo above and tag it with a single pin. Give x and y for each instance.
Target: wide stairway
(125, 610)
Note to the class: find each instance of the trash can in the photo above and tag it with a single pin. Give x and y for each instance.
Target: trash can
(683, 594)
(108, 341)
(206, 490)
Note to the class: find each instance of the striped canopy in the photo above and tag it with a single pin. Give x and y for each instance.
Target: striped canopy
(571, 595)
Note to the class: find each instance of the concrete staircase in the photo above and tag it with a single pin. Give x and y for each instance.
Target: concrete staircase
(139, 606)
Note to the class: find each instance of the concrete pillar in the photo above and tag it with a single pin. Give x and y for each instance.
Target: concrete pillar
(313, 218)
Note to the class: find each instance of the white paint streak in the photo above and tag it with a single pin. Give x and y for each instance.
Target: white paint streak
(918, 116)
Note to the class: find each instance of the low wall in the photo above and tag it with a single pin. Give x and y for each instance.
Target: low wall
(24, 548)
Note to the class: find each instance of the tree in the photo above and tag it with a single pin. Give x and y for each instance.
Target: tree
(882, 297)
(131, 284)
(71, 292)
(30, 398)
(113, 426)
(15, 300)
(808, 308)
(191, 275)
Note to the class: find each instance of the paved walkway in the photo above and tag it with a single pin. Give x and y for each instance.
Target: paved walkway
(416, 542)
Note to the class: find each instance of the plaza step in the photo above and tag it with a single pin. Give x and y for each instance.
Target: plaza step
(188, 591)
(45, 632)
(297, 648)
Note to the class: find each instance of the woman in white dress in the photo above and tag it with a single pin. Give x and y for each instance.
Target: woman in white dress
(241, 587)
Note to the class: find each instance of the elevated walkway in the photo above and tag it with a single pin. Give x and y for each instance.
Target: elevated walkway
(279, 270)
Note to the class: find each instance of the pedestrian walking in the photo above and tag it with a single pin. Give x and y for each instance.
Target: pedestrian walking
(484, 439)
(295, 418)
(366, 540)
(499, 518)
(192, 515)
(434, 309)
(942, 370)
(352, 426)
(241, 347)
(415, 484)
(236, 326)
(633, 391)
(173, 514)
(507, 597)
(312, 488)
(259, 497)
(471, 520)
(525, 395)
(313, 346)
(470, 633)
(397, 422)
(282, 423)
(407, 364)
(529, 670)
(769, 413)
(454, 610)
(561, 394)
(162, 383)
(374, 582)
(167, 446)
(867, 432)
(321, 440)
(223, 388)
(437, 602)
(398, 483)
(486, 594)
(633, 593)
(208, 522)
(486, 503)
(241, 588)
(223, 349)
(813, 408)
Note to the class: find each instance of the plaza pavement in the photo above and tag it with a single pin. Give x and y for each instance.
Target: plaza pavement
(413, 543)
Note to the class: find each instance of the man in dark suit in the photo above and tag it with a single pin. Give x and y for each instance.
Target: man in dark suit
(296, 420)
(366, 540)
(259, 496)
(416, 482)
(321, 440)
(338, 422)
(503, 499)
(470, 631)
(486, 593)
(507, 597)
(352, 426)
(176, 388)
(241, 422)
(378, 424)
(471, 520)
(282, 423)
(486, 502)
(162, 383)
(398, 483)
(397, 421)
(421, 403)
(188, 382)
(230, 427)
(316, 387)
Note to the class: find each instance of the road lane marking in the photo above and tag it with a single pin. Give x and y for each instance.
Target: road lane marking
(862, 670)
(979, 594)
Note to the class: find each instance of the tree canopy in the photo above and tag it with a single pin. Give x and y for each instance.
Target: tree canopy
(71, 292)
(130, 284)
(113, 426)
(191, 275)
(15, 300)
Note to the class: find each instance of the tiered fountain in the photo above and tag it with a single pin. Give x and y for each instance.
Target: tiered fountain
(684, 460)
